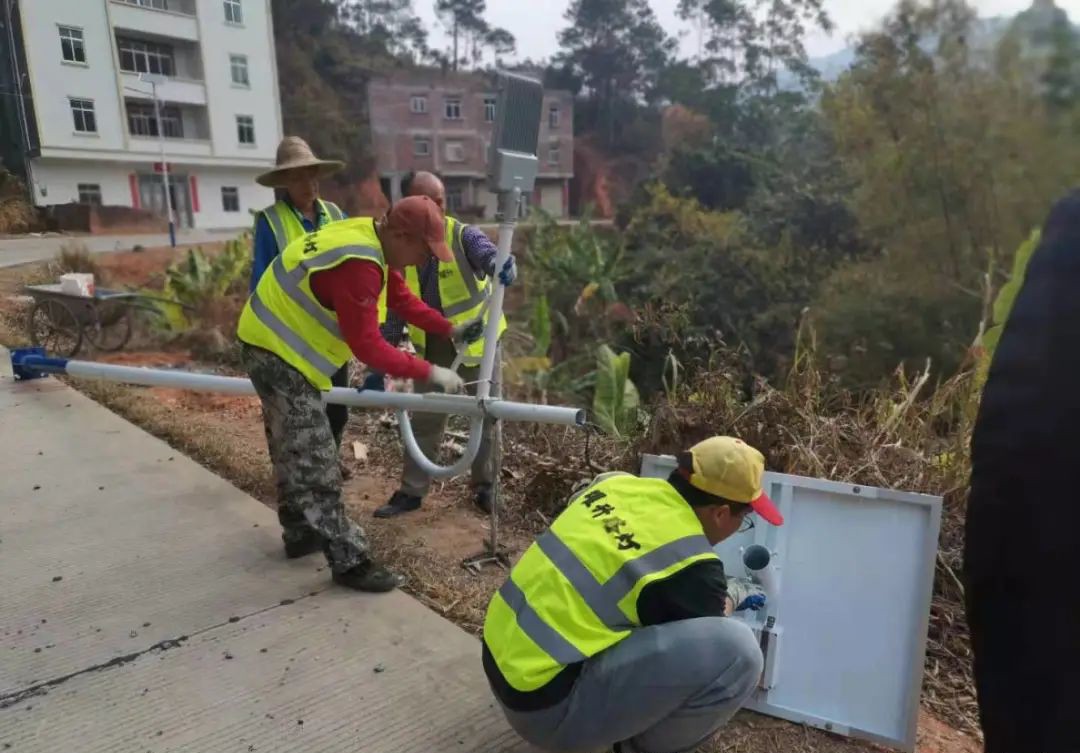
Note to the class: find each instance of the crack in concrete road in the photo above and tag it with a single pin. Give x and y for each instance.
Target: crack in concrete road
(15, 697)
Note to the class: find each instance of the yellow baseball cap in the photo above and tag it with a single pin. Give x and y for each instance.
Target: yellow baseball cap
(728, 467)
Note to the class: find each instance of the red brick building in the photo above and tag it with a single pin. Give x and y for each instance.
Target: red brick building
(442, 122)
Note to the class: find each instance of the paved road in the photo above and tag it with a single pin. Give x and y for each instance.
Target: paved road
(23, 250)
(147, 607)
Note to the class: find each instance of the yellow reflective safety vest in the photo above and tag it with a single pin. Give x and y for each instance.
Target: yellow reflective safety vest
(283, 315)
(460, 293)
(286, 226)
(574, 592)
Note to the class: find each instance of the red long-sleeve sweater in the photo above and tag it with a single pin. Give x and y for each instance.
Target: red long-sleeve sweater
(352, 290)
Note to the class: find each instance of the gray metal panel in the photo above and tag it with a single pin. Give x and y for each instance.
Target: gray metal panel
(855, 569)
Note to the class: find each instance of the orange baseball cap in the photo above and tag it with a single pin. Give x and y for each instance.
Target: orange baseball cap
(729, 468)
(421, 218)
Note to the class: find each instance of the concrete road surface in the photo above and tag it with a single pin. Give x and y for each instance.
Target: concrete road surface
(147, 606)
(25, 249)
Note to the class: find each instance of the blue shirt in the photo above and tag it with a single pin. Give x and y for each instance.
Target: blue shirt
(265, 244)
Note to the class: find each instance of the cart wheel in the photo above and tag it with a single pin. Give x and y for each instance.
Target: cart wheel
(53, 326)
(110, 333)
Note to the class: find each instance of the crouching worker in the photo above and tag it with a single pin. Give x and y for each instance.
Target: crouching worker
(320, 303)
(612, 631)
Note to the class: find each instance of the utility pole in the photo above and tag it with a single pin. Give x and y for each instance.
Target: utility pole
(154, 79)
(24, 123)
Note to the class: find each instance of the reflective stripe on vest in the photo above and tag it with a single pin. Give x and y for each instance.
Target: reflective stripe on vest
(461, 294)
(284, 316)
(574, 592)
(285, 225)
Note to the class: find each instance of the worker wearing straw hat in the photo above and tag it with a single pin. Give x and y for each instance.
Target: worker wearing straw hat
(297, 212)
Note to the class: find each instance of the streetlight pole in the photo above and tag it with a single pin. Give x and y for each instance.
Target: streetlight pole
(154, 80)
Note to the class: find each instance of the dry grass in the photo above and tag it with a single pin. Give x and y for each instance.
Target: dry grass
(16, 214)
(912, 435)
(74, 257)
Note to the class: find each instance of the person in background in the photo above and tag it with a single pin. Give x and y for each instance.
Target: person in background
(613, 629)
(297, 212)
(1021, 557)
(457, 289)
(319, 305)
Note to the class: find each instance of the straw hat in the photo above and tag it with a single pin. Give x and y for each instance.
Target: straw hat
(293, 153)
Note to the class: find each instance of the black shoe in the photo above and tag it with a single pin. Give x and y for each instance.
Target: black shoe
(309, 544)
(399, 503)
(368, 577)
(483, 498)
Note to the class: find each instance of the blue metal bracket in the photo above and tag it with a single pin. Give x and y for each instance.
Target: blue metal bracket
(33, 363)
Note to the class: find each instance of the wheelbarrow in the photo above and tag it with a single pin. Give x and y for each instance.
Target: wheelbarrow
(60, 322)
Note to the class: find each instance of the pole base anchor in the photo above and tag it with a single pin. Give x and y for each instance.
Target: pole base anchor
(477, 562)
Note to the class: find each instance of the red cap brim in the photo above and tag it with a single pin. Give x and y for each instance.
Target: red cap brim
(764, 507)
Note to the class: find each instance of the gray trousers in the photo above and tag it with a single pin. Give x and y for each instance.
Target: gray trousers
(430, 427)
(664, 689)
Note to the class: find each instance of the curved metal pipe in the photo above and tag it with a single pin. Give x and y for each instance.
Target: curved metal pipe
(432, 469)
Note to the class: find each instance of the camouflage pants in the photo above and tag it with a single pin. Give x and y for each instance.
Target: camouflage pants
(305, 459)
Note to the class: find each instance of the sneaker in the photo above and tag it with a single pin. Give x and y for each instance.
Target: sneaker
(483, 498)
(399, 503)
(310, 543)
(369, 577)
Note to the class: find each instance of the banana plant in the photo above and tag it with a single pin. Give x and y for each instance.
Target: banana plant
(615, 400)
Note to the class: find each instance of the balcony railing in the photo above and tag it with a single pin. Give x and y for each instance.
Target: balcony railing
(180, 7)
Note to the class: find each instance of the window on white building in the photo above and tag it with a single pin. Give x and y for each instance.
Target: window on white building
(137, 56)
(489, 109)
(90, 193)
(455, 151)
(230, 199)
(455, 199)
(554, 155)
(72, 47)
(234, 13)
(155, 4)
(82, 111)
(239, 66)
(143, 121)
(245, 129)
(452, 108)
(418, 104)
(421, 146)
(554, 116)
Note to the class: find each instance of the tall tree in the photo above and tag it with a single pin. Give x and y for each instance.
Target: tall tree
(749, 42)
(471, 33)
(617, 49)
(391, 23)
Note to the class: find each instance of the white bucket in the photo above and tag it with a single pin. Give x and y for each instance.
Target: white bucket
(77, 283)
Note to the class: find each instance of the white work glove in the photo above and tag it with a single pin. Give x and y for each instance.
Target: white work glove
(468, 333)
(745, 594)
(446, 380)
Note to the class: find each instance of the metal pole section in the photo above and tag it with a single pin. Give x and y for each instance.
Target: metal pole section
(508, 209)
(461, 405)
(164, 165)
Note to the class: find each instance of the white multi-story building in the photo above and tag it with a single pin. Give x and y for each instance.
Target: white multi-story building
(88, 127)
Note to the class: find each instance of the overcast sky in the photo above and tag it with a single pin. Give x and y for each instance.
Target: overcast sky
(536, 24)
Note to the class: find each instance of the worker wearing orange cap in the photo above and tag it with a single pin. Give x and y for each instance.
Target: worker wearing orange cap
(319, 304)
(613, 629)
